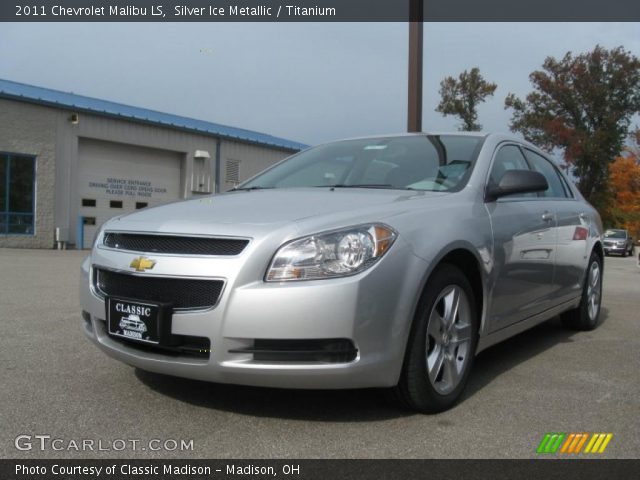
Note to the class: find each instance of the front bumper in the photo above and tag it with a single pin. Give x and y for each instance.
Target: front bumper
(373, 310)
(615, 248)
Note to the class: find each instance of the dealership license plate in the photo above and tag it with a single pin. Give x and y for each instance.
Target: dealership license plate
(136, 321)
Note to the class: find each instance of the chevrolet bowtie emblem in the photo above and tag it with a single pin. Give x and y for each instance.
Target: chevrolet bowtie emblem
(141, 264)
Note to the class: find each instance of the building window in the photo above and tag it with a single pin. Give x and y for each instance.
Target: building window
(88, 220)
(17, 194)
(140, 205)
(88, 202)
(115, 204)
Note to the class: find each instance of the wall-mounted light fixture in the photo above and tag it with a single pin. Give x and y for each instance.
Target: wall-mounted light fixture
(74, 119)
(200, 160)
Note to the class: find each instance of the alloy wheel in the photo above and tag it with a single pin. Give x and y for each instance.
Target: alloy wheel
(593, 291)
(448, 339)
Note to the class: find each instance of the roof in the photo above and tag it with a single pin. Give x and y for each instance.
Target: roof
(55, 98)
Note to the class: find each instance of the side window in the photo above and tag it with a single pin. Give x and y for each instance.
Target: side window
(508, 158)
(545, 167)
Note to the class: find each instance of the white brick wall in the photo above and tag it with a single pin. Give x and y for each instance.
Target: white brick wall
(31, 130)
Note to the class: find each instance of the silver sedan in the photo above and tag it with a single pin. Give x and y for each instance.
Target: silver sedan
(375, 262)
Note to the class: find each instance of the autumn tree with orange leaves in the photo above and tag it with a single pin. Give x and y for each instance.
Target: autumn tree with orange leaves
(583, 105)
(624, 187)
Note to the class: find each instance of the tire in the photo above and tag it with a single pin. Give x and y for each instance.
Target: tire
(587, 315)
(441, 346)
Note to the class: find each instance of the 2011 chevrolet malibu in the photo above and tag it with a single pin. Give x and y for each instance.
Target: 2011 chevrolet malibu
(374, 262)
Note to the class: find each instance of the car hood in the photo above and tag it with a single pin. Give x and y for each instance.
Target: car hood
(249, 212)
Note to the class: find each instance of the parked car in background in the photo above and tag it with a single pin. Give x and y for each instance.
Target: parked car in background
(617, 240)
(374, 262)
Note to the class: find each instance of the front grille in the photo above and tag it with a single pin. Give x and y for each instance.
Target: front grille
(182, 293)
(330, 350)
(173, 244)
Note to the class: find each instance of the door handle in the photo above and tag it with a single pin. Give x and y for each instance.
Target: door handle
(547, 217)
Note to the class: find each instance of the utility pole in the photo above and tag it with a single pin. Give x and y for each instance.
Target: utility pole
(414, 110)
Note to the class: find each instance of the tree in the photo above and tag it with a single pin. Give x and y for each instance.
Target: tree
(583, 105)
(624, 186)
(461, 97)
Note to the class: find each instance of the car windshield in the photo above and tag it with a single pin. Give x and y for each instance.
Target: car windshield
(414, 162)
(615, 234)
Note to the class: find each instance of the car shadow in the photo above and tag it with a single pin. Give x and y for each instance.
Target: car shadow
(363, 405)
(506, 355)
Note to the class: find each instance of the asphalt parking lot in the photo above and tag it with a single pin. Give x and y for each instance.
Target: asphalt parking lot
(54, 382)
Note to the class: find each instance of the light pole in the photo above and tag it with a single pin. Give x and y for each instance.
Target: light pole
(414, 110)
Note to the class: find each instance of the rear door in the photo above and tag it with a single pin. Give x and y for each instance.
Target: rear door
(524, 250)
(573, 230)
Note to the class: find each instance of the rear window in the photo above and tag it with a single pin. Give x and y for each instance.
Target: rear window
(541, 165)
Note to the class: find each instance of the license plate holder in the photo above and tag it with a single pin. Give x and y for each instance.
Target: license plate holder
(137, 321)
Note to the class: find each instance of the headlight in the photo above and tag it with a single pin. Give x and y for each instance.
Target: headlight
(332, 254)
(97, 236)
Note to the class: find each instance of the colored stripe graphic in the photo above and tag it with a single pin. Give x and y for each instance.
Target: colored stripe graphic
(543, 443)
(581, 442)
(550, 442)
(591, 442)
(570, 439)
(598, 443)
(606, 442)
(572, 443)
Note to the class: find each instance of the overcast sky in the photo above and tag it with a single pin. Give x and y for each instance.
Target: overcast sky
(306, 82)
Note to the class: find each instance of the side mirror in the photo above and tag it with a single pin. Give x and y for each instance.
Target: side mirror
(517, 181)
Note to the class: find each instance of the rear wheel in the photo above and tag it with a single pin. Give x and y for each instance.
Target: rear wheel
(587, 314)
(441, 345)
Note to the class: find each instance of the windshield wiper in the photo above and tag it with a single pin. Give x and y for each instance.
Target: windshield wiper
(357, 185)
(246, 189)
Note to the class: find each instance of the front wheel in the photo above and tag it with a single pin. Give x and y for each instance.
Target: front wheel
(442, 344)
(587, 314)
